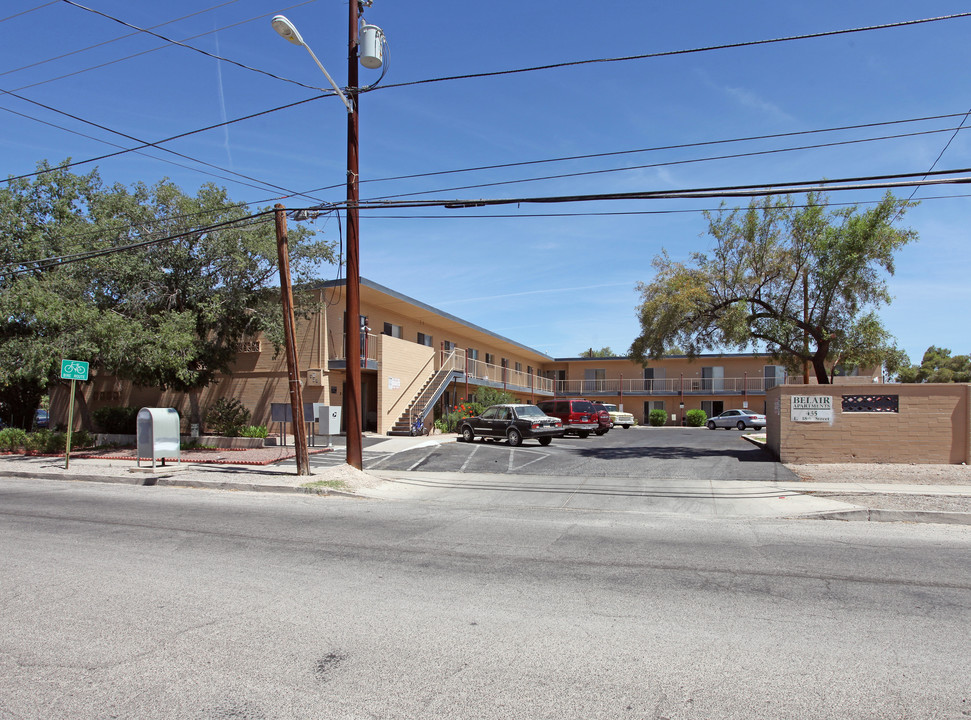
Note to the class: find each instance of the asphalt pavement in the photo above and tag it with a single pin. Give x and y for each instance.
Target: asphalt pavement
(397, 470)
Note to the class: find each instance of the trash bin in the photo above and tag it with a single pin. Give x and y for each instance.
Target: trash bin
(157, 435)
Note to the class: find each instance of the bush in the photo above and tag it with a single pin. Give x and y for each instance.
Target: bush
(253, 431)
(696, 418)
(227, 417)
(657, 418)
(12, 439)
(116, 420)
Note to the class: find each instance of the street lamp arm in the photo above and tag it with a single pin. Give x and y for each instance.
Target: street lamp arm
(288, 31)
(340, 93)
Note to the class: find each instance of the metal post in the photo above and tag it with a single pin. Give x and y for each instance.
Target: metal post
(70, 427)
(290, 341)
(352, 313)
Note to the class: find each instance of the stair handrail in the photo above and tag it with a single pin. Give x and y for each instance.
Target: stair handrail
(448, 366)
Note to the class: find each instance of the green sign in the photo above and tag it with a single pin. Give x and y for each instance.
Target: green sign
(74, 370)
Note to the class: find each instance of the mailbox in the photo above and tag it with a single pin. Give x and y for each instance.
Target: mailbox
(158, 435)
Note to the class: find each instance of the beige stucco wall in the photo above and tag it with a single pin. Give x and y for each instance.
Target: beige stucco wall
(403, 367)
(933, 425)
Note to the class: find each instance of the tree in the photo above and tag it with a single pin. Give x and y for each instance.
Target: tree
(602, 352)
(181, 281)
(801, 281)
(938, 366)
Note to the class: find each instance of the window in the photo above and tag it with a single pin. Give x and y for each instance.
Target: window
(651, 405)
(713, 379)
(449, 346)
(472, 353)
(519, 367)
(593, 379)
(392, 330)
(712, 407)
(774, 375)
(490, 359)
(424, 339)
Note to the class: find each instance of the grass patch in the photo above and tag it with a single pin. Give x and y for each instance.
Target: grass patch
(331, 484)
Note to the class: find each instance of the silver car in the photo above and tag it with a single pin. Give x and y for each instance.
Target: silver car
(740, 419)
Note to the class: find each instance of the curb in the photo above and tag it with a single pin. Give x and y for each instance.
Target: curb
(911, 516)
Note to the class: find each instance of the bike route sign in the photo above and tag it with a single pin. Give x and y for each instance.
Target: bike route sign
(74, 370)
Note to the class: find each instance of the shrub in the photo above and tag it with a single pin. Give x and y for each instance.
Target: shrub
(657, 418)
(253, 431)
(12, 439)
(696, 418)
(227, 417)
(116, 420)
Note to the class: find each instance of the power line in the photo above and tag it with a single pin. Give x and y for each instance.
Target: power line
(48, 263)
(669, 163)
(169, 139)
(190, 47)
(157, 147)
(30, 10)
(669, 53)
(145, 52)
(107, 42)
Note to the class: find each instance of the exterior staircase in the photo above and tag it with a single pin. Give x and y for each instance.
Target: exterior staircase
(424, 401)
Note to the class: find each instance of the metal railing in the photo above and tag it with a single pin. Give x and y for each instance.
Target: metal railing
(666, 386)
(369, 348)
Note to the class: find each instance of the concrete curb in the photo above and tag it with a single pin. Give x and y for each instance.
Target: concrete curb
(172, 480)
(911, 516)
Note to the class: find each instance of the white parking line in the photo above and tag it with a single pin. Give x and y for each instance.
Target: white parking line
(469, 458)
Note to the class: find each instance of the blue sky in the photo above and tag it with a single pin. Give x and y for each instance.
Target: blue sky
(560, 278)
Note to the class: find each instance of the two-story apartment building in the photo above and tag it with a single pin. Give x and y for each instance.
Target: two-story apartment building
(416, 357)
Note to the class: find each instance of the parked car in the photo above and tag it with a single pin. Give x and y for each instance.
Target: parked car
(603, 419)
(619, 417)
(513, 423)
(740, 419)
(41, 419)
(578, 416)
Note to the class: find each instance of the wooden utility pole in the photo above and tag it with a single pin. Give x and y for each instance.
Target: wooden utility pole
(290, 341)
(352, 312)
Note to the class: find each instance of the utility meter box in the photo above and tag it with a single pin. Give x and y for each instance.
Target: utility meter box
(158, 435)
(329, 419)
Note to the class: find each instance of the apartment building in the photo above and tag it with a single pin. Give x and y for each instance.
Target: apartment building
(415, 357)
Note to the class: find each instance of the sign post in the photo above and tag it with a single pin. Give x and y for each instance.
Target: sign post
(72, 370)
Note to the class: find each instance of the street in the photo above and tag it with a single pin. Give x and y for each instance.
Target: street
(134, 602)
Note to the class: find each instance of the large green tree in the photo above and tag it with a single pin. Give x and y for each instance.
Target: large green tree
(938, 366)
(602, 352)
(801, 281)
(166, 314)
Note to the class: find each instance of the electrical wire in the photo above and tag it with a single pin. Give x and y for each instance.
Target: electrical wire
(24, 12)
(48, 263)
(190, 47)
(157, 147)
(669, 163)
(151, 50)
(108, 42)
(669, 53)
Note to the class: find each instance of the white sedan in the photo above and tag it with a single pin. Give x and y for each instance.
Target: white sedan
(740, 419)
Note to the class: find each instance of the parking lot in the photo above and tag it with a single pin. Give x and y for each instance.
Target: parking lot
(640, 452)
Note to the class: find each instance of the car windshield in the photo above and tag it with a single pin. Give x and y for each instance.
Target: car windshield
(610, 408)
(525, 411)
(583, 406)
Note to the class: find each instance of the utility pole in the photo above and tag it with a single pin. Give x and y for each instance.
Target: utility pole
(352, 312)
(290, 341)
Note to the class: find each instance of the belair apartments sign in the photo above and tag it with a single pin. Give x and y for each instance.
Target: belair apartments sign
(811, 408)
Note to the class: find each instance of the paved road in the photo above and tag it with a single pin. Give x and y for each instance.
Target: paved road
(647, 453)
(135, 602)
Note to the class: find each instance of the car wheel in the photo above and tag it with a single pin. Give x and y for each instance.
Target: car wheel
(467, 433)
(583, 434)
(626, 427)
(740, 424)
(601, 431)
(544, 441)
(711, 425)
(515, 437)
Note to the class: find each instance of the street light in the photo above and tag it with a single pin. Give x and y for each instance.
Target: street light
(352, 312)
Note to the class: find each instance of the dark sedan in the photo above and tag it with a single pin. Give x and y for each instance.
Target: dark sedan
(512, 423)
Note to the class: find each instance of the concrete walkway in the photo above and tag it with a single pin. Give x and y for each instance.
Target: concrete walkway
(709, 498)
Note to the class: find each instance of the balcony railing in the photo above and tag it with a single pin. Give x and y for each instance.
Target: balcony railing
(667, 386)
